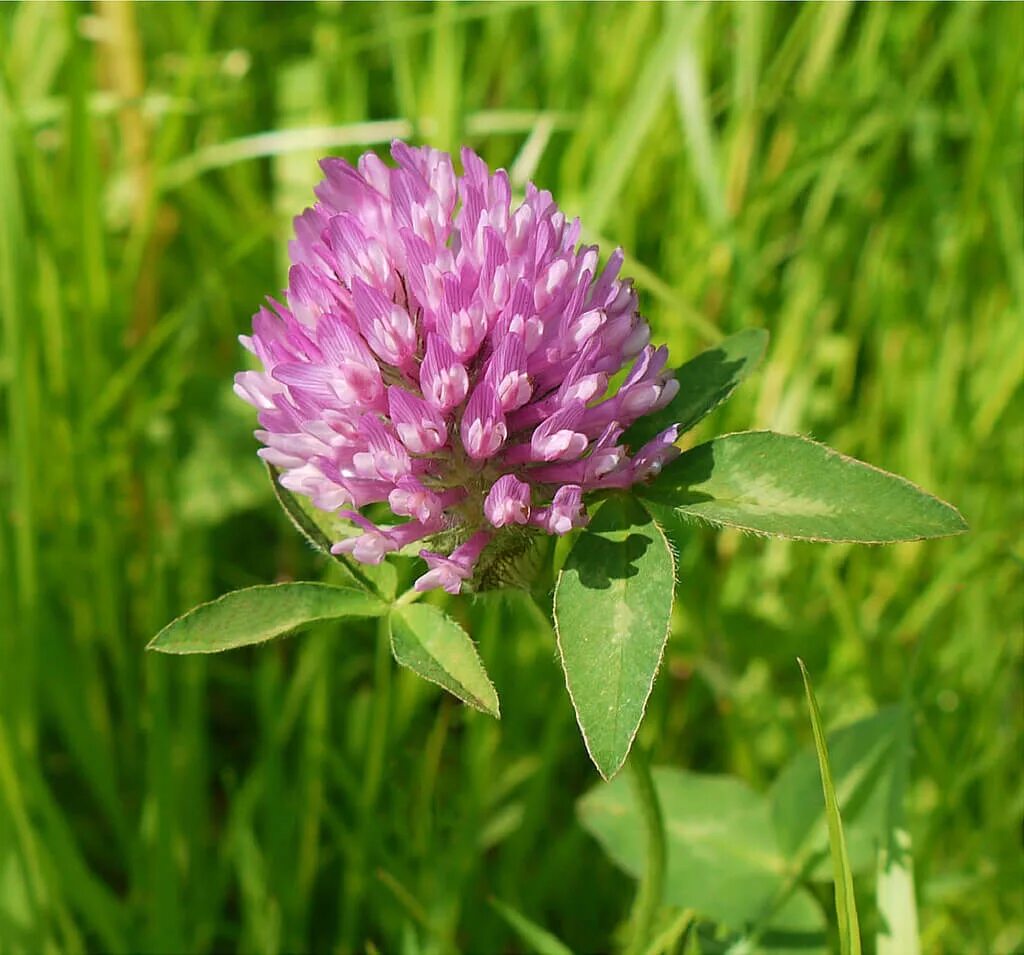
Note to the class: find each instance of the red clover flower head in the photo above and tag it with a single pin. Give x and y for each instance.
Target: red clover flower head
(448, 355)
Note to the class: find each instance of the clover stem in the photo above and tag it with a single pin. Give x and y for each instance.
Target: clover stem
(649, 893)
(410, 596)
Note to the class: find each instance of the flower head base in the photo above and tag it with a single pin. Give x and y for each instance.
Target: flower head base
(449, 355)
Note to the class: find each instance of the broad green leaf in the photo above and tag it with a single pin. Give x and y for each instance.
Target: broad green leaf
(430, 643)
(536, 939)
(790, 486)
(797, 927)
(861, 756)
(258, 614)
(613, 601)
(322, 529)
(704, 383)
(846, 902)
(723, 860)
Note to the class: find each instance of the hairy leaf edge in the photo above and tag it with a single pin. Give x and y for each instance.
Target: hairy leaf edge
(607, 776)
(726, 393)
(468, 698)
(155, 641)
(685, 514)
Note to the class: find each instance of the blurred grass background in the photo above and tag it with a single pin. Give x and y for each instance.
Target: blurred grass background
(848, 177)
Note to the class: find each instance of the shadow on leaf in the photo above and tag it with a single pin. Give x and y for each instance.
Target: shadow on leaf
(599, 560)
(674, 485)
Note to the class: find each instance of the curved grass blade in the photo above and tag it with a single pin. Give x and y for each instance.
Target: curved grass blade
(846, 903)
(536, 939)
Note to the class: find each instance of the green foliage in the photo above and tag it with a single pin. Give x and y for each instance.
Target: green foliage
(651, 891)
(430, 643)
(898, 933)
(322, 529)
(704, 383)
(613, 601)
(724, 858)
(842, 872)
(846, 176)
(861, 760)
(745, 859)
(788, 486)
(536, 938)
(258, 614)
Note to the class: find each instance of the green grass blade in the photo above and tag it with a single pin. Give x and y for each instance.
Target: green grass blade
(897, 904)
(623, 145)
(536, 938)
(846, 903)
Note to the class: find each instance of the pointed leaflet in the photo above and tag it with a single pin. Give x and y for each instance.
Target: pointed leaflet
(322, 529)
(790, 486)
(258, 614)
(613, 601)
(430, 643)
(318, 527)
(704, 383)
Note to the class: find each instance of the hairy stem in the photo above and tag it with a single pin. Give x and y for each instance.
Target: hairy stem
(410, 596)
(648, 896)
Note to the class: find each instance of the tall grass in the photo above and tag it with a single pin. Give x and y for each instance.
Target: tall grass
(848, 177)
